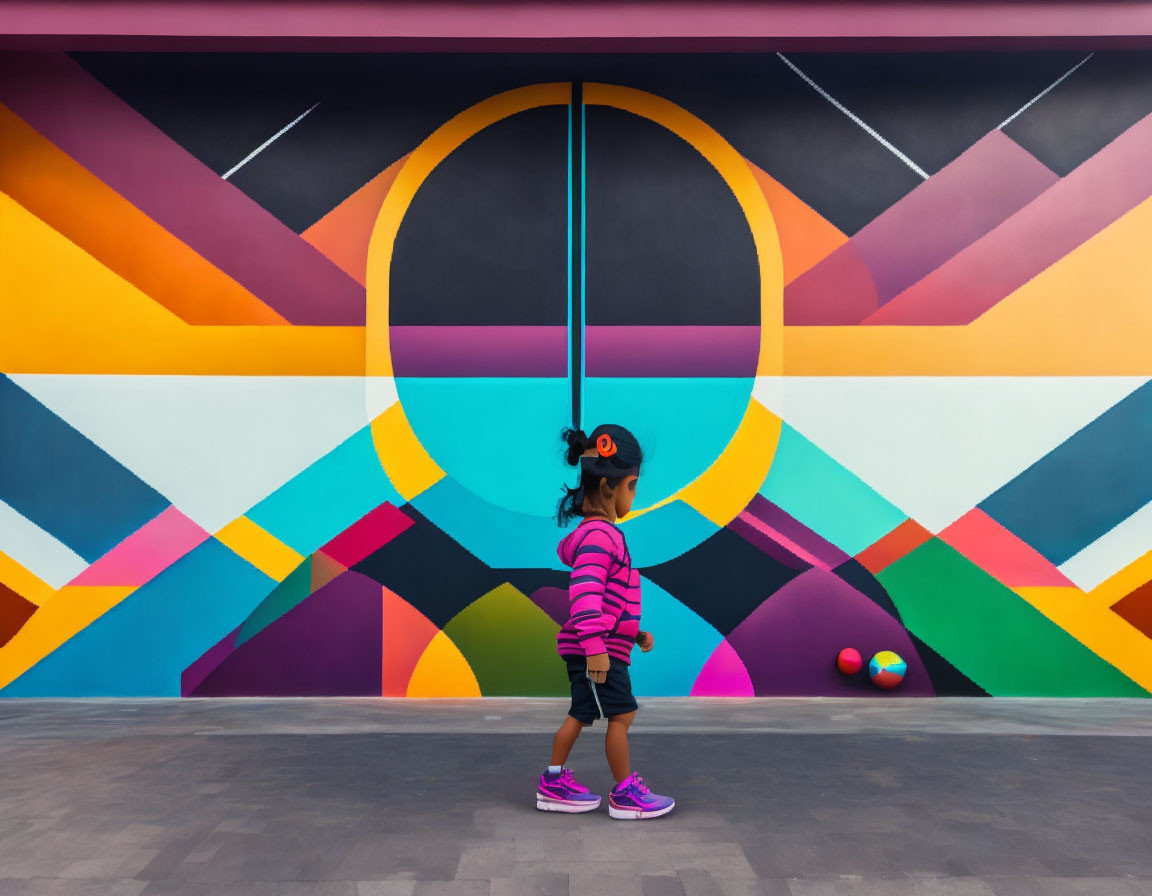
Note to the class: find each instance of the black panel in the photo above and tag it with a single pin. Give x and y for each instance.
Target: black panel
(668, 244)
(485, 240)
(854, 573)
(429, 570)
(947, 680)
(723, 579)
(376, 108)
(933, 106)
(373, 109)
(782, 125)
(1086, 111)
(218, 106)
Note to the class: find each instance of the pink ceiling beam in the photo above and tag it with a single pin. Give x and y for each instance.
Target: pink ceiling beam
(563, 24)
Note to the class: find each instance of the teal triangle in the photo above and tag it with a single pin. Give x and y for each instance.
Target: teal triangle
(283, 598)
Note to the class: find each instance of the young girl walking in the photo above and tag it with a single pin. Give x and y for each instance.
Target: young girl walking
(603, 625)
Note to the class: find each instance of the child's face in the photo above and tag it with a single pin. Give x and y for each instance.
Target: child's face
(625, 494)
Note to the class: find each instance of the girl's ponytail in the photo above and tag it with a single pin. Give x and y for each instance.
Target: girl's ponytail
(572, 502)
(577, 444)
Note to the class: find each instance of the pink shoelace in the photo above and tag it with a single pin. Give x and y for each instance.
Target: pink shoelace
(569, 780)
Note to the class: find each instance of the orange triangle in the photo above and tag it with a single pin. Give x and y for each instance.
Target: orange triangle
(324, 570)
(344, 232)
(805, 237)
(407, 634)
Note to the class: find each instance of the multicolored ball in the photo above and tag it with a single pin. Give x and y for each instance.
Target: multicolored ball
(887, 669)
(849, 661)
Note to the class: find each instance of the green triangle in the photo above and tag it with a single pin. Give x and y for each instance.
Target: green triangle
(283, 598)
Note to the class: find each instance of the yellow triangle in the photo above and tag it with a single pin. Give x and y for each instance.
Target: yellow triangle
(442, 671)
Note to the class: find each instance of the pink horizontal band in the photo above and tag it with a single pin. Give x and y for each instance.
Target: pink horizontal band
(572, 20)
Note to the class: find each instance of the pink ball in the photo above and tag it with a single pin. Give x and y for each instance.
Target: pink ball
(849, 661)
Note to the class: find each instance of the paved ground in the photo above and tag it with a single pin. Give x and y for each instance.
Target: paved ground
(434, 798)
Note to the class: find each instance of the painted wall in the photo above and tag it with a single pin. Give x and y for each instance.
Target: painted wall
(287, 342)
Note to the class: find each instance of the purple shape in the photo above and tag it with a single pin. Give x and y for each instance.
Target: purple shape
(329, 645)
(836, 292)
(795, 531)
(134, 157)
(790, 642)
(553, 601)
(990, 181)
(1071, 211)
(191, 677)
(479, 351)
(671, 351)
(767, 545)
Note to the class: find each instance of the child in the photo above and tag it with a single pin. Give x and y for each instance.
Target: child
(604, 622)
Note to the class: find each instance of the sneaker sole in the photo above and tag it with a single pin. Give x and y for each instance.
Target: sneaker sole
(637, 814)
(572, 808)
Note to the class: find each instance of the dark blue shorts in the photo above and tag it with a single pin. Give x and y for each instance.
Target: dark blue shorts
(615, 692)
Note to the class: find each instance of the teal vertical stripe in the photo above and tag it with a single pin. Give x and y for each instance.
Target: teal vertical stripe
(583, 246)
(569, 256)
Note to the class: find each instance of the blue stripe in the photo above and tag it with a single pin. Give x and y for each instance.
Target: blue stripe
(60, 480)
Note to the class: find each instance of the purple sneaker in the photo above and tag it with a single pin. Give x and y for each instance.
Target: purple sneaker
(631, 798)
(563, 793)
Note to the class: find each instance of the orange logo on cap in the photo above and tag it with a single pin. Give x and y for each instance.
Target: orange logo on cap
(605, 445)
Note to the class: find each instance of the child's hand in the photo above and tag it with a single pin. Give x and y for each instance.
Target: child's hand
(598, 666)
(645, 641)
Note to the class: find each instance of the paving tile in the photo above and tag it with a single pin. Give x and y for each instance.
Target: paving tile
(697, 882)
(660, 885)
(862, 886)
(205, 850)
(239, 826)
(60, 887)
(486, 862)
(1070, 886)
(385, 887)
(599, 883)
(451, 888)
(761, 887)
(540, 884)
(105, 867)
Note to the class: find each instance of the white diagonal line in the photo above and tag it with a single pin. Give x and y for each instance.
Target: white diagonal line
(1044, 91)
(856, 118)
(263, 146)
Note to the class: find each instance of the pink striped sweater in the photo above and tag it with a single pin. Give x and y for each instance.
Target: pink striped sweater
(603, 593)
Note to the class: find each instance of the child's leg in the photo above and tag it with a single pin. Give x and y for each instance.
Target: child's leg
(616, 745)
(565, 738)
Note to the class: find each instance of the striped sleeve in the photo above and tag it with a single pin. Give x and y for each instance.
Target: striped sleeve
(591, 564)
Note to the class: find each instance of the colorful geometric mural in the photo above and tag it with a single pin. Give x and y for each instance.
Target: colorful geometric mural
(288, 341)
